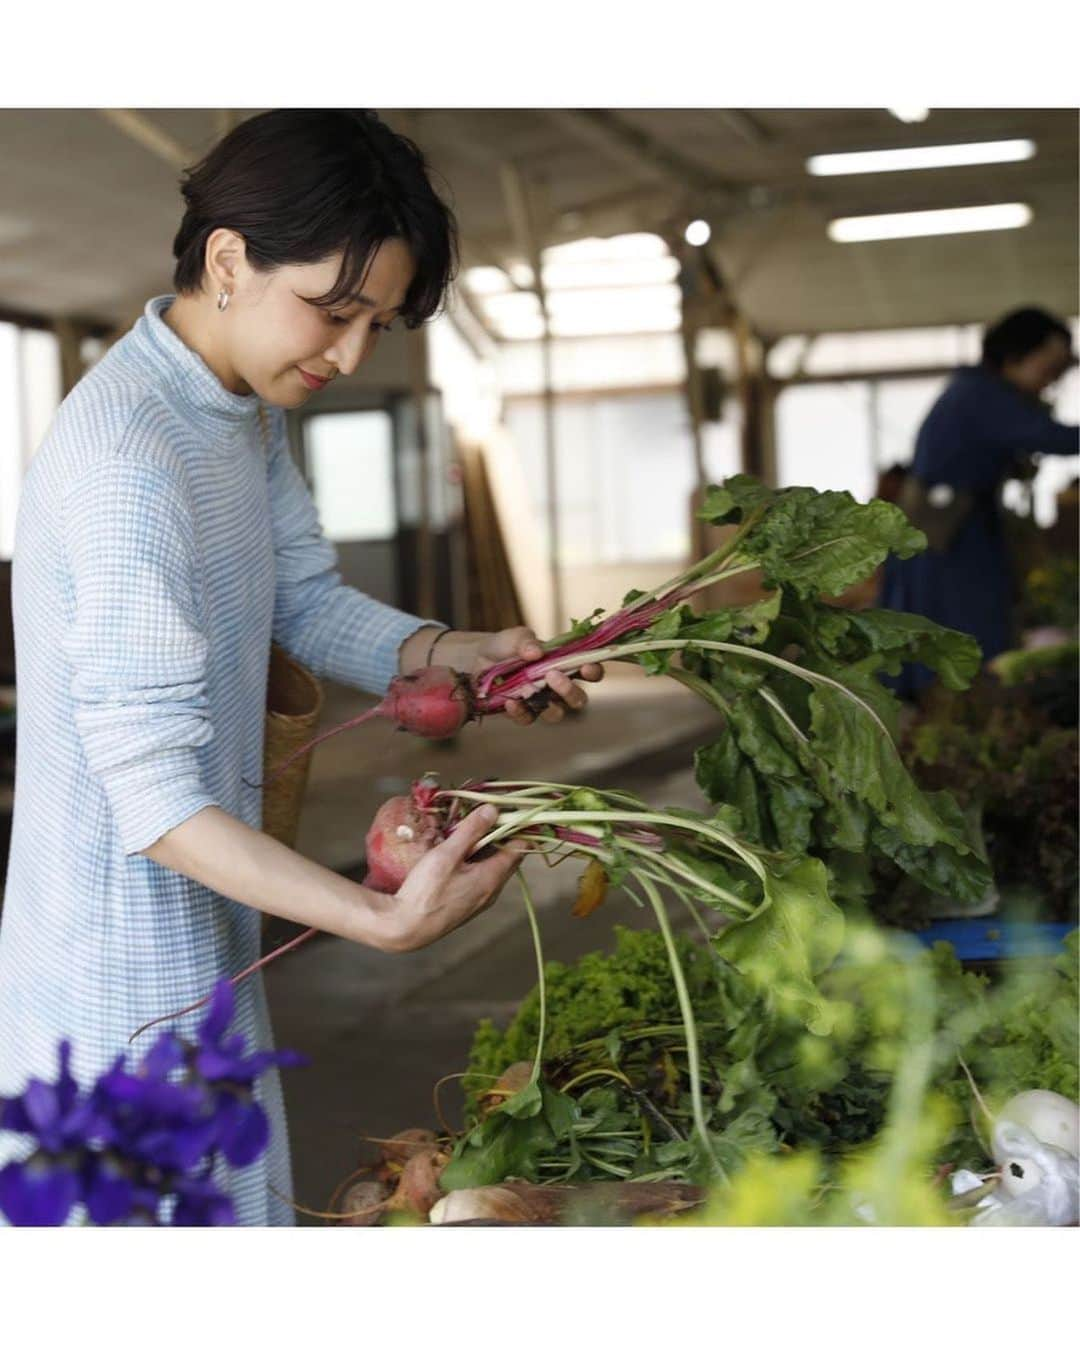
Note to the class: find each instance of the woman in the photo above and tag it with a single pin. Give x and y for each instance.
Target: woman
(164, 537)
(986, 421)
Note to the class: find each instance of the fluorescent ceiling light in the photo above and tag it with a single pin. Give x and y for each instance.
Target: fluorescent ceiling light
(912, 224)
(909, 113)
(921, 157)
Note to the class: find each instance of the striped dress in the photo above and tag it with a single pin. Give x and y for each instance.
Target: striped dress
(161, 542)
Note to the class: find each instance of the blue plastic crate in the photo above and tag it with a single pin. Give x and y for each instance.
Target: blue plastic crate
(990, 939)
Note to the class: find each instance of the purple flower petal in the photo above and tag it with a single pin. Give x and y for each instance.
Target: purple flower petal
(214, 1063)
(108, 1192)
(192, 1142)
(34, 1194)
(199, 1204)
(245, 1132)
(220, 1014)
(165, 1055)
(42, 1106)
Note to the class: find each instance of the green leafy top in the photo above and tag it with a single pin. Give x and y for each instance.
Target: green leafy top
(814, 542)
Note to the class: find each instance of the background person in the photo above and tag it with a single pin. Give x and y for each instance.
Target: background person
(977, 434)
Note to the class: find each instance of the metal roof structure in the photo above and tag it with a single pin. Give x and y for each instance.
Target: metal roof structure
(89, 203)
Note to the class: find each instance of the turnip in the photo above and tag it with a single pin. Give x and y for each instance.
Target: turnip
(1050, 1117)
(527, 1203)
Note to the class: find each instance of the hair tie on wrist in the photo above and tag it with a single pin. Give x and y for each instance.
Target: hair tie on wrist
(434, 645)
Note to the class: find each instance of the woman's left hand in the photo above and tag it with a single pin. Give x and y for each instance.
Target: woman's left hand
(522, 643)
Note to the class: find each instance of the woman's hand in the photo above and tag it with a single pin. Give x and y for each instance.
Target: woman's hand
(473, 653)
(440, 893)
(443, 891)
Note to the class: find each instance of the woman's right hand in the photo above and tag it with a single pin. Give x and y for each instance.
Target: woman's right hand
(443, 890)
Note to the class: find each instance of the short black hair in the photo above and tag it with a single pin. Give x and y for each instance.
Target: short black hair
(1019, 333)
(301, 183)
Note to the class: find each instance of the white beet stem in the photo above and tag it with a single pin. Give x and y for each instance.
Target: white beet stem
(534, 1077)
(689, 1026)
(617, 652)
(512, 821)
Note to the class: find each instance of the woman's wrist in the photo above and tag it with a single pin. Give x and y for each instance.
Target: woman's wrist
(415, 652)
(428, 646)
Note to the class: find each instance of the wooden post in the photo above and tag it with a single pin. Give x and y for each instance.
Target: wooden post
(695, 404)
(69, 337)
(519, 209)
(418, 378)
(551, 479)
(752, 394)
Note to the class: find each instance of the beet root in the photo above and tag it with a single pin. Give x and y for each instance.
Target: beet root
(434, 703)
(406, 1144)
(364, 1203)
(400, 835)
(418, 1190)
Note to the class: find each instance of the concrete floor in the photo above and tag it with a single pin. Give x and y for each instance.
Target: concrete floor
(381, 1030)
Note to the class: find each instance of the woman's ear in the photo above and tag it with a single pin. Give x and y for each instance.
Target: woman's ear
(225, 260)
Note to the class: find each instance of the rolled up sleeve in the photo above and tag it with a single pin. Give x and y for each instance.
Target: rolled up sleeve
(136, 647)
(334, 629)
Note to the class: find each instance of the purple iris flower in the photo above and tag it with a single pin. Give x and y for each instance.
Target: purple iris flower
(39, 1192)
(221, 1058)
(139, 1136)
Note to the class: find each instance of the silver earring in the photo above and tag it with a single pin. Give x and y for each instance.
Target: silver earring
(223, 300)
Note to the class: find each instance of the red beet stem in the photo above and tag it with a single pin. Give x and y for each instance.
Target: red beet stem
(514, 674)
(235, 979)
(379, 710)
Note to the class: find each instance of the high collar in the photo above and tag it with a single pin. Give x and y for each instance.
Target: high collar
(188, 382)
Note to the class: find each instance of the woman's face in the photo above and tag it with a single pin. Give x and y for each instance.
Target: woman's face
(1039, 368)
(284, 348)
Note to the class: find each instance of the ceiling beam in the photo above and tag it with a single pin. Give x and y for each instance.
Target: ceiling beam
(645, 156)
(464, 297)
(746, 126)
(150, 135)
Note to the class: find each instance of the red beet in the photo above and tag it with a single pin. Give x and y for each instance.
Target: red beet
(434, 703)
(399, 837)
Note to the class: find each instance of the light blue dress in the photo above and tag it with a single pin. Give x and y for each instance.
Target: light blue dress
(159, 545)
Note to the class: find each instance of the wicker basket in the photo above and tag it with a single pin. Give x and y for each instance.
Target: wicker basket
(294, 699)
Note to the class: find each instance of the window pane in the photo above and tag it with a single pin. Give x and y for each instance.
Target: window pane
(902, 406)
(625, 475)
(350, 457)
(823, 438)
